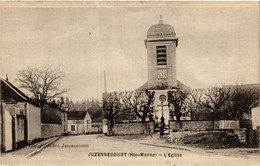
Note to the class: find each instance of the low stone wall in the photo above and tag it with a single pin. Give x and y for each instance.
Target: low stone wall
(126, 128)
(204, 125)
(191, 125)
(227, 124)
(50, 130)
(241, 133)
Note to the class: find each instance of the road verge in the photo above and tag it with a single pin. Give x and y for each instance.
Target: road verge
(41, 148)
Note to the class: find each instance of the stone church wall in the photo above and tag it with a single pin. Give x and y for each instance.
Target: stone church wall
(204, 125)
(126, 128)
(191, 125)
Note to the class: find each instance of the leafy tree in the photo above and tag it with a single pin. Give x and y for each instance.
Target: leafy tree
(50, 113)
(93, 107)
(97, 114)
(240, 101)
(44, 84)
(95, 111)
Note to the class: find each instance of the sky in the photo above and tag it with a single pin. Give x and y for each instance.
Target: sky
(218, 43)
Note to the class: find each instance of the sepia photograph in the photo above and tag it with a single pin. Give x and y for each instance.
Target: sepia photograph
(129, 83)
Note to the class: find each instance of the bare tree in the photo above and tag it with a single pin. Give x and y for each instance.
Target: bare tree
(141, 103)
(213, 99)
(112, 105)
(181, 103)
(43, 83)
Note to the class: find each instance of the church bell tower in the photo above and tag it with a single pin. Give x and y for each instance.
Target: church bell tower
(161, 43)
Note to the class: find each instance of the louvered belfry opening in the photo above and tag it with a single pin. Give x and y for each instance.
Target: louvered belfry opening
(161, 55)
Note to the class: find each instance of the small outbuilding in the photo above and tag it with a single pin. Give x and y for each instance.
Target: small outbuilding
(79, 122)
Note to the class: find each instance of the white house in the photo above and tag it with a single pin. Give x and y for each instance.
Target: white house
(20, 118)
(79, 122)
(255, 112)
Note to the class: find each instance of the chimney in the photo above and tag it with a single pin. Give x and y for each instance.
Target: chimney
(6, 77)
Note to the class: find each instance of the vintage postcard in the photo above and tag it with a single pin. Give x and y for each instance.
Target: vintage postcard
(129, 83)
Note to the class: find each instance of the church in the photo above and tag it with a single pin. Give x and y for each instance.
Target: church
(161, 44)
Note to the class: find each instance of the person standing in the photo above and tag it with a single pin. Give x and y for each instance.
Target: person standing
(161, 130)
(148, 131)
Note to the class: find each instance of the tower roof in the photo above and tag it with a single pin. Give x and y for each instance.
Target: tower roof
(161, 30)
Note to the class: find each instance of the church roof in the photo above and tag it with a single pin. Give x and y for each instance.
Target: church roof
(160, 31)
(180, 86)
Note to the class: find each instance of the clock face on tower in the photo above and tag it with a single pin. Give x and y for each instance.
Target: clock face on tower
(162, 73)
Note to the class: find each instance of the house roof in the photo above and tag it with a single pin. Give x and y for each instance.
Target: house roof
(76, 115)
(180, 86)
(10, 93)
